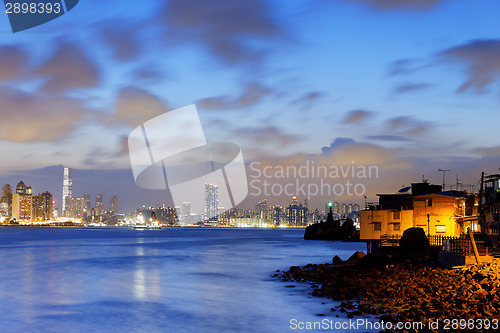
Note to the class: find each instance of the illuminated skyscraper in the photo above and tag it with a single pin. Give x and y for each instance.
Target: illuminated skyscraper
(211, 201)
(113, 204)
(67, 189)
(7, 198)
(98, 204)
(22, 203)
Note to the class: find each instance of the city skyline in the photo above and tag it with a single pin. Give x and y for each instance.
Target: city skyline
(403, 86)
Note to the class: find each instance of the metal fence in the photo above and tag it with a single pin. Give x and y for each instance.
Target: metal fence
(389, 240)
(460, 244)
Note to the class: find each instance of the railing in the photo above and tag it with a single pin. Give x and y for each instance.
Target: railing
(389, 240)
(460, 244)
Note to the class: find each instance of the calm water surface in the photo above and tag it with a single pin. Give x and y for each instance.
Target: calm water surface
(169, 280)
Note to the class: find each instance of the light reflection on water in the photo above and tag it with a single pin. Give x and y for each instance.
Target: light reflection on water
(169, 280)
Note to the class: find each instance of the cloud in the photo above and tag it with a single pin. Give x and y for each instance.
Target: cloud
(337, 143)
(252, 94)
(406, 125)
(306, 100)
(269, 136)
(404, 67)
(68, 68)
(30, 117)
(411, 87)
(357, 116)
(394, 138)
(481, 58)
(121, 40)
(13, 61)
(135, 105)
(399, 4)
(228, 29)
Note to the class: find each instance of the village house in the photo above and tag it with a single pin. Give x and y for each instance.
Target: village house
(447, 213)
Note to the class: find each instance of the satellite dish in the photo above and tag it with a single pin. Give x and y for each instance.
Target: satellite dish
(404, 189)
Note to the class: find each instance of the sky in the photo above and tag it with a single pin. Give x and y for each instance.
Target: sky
(406, 86)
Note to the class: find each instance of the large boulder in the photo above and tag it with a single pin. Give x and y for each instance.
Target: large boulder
(414, 241)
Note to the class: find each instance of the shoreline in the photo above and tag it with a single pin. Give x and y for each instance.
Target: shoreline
(412, 290)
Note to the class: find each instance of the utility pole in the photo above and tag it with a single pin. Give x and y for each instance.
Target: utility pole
(444, 173)
(481, 205)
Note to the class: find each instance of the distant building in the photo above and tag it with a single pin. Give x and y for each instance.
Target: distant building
(22, 203)
(113, 205)
(42, 207)
(87, 198)
(76, 208)
(7, 199)
(261, 210)
(67, 192)
(211, 201)
(99, 210)
(297, 214)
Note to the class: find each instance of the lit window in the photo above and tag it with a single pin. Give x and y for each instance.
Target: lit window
(397, 226)
(440, 229)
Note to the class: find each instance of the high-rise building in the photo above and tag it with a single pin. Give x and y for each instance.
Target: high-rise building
(113, 205)
(22, 203)
(211, 201)
(98, 205)
(7, 199)
(261, 210)
(185, 212)
(21, 188)
(87, 198)
(76, 207)
(42, 207)
(297, 213)
(67, 189)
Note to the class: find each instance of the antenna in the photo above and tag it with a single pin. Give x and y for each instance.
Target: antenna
(458, 182)
(444, 173)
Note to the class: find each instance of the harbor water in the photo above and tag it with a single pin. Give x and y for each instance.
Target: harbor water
(170, 280)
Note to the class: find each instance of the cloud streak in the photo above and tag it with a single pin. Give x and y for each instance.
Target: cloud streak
(252, 94)
(225, 28)
(357, 116)
(35, 117)
(399, 4)
(481, 59)
(68, 68)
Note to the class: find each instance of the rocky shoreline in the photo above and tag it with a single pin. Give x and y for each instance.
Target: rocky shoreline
(406, 290)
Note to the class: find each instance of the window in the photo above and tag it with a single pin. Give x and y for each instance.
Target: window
(377, 226)
(396, 215)
(429, 202)
(397, 226)
(440, 229)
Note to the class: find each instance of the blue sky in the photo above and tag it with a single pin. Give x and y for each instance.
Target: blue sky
(413, 84)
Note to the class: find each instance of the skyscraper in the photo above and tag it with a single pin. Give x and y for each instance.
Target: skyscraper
(113, 205)
(22, 202)
(211, 201)
(67, 189)
(7, 198)
(98, 204)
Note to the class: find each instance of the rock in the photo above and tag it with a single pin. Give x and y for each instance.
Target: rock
(356, 256)
(414, 241)
(337, 261)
